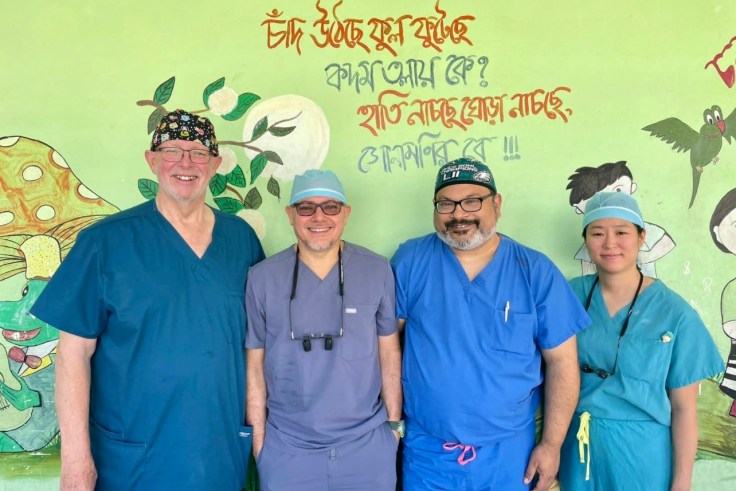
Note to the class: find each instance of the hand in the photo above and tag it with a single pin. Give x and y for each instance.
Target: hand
(259, 438)
(545, 461)
(679, 484)
(397, 435)
(257, 448)
(79, 475)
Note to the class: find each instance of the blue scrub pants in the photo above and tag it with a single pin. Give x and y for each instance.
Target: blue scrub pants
(366, 464)
(497, 467)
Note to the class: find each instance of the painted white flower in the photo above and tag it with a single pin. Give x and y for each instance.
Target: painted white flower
(255, 220)
(229, 161)
(222, 101)
(302, 149)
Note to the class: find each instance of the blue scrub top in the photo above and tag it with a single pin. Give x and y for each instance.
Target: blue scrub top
(168, 373)
(472, 359)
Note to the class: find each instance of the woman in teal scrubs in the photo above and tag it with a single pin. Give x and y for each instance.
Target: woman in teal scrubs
(641, 361)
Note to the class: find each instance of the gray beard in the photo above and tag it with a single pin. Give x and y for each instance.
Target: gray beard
(319, 247)
(478, 238)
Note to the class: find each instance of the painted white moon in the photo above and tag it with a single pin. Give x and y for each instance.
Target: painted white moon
(302, 149)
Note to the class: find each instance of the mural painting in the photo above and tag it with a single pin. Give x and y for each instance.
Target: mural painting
(44, 209)
(557, 99)
(704, 145)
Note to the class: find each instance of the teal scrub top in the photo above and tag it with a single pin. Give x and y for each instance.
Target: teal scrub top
(168, 374)
(666, 346)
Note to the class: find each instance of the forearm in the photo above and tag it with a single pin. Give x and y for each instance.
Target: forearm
(684, 436)
(390, 358)
(561, 392)
(256, 394)
(73, 379)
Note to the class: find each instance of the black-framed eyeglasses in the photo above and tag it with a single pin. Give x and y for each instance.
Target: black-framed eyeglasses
(585, 368)
(309, 208)
(175, 154)
(447, 206)
(306, 339)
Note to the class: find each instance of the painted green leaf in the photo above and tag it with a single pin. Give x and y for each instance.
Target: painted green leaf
(154, 118)
(229, 205)
(256, 166)
(273, 157)
(218, 183)
(163, 92)
(244, 102)
(211, 88)
(237, 177)
(274, 188)
(281, 131)
(148, 188)
(260, 128)
(253, 199)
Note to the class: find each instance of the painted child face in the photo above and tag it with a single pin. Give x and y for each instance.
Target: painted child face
(726, 231)
(623, 184)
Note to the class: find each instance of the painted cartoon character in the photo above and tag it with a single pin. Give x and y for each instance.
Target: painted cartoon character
(44, 207)
(704, 145)
(26, 365)
(616, 177)
(723, 232)
(17, 401)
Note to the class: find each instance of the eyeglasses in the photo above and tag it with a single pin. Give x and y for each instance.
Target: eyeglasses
(585, 368)
(175, 154)
(447, 206)
(306, 339)
(601, 373)
(308, 208)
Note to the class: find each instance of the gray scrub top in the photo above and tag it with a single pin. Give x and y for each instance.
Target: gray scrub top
(321, 398)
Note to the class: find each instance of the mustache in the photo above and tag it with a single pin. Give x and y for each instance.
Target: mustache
(455, 223)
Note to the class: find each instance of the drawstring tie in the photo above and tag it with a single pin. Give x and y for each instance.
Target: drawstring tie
(583, 440)
(467, 455)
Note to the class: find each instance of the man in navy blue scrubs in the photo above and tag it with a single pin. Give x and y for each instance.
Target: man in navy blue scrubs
(150, 365)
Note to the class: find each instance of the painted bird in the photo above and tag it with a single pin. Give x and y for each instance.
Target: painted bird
(703, 146)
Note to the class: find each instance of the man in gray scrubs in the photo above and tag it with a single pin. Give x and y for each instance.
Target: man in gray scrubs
(324, 361)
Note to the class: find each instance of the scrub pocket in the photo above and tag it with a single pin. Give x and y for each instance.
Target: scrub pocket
(359, 339)
(513, 332)
(245, 436)
(116, 460)
(645, 359)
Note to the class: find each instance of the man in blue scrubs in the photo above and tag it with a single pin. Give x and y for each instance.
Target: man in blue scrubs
(324, 362)
(150, 368)
(483, 315)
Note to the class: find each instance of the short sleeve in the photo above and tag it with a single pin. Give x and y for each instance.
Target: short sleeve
(401, 264)
(559, 313)
(386, 315)
(73, 301)
(256, 317)
(694, 354)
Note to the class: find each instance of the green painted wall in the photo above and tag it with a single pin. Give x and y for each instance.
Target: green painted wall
(73, 74)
